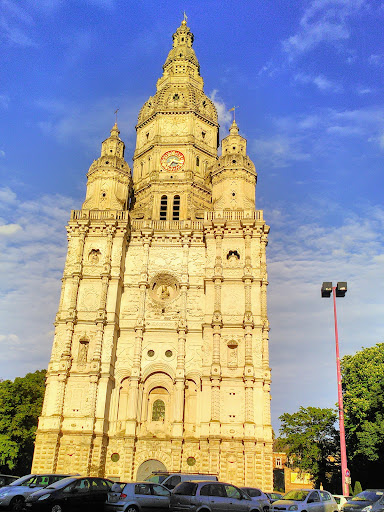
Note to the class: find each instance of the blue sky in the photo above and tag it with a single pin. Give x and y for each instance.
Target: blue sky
(308, 79)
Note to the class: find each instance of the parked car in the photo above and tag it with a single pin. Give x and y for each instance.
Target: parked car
(368, 500)
(72, 493)
(340, 500)
(13, 496)
(137, 496)
(211, 497)
(259, 496)
(274, 496)
(7, 479)
(170, 480)
(306, 500)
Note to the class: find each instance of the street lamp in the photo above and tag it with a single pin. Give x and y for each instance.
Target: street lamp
(339, 291)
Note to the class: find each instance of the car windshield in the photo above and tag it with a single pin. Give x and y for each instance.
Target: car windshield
(295, 495)
(61, 483)
(157, 479)
(368, 496)
(21, 480)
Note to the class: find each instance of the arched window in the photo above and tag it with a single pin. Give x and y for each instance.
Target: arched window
(197, 161)
(123, 400)
(163, 207)
(176, 208)
(158, 410)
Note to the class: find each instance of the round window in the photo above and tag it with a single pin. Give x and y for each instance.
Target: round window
(115, 457)
(150, 353)
(191, 461)
(169, 353)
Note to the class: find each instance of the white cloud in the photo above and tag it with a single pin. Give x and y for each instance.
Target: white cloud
(31, 265)
(9, 229)
(278, 151)
(7, 196)
(304, 251)
(320, 81)
(224, 116)
(87, 124)
(323, 21)
(16, 24)
(299, 137)
(4, 101)
(377, 60)
(364, 90)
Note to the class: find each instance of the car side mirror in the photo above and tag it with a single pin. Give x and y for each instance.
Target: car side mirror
(310, 500)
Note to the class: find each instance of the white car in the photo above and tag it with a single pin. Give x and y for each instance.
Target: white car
(306, 500)
(340, 500)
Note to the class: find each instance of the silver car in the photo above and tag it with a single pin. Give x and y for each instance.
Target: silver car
(211, 496)
(259, 496)
(12, 496)
(137, 496)
(306, 500)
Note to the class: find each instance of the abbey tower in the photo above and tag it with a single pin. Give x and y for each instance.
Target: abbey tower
(160, 356)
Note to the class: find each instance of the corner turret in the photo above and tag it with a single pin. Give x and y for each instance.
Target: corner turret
(109, 177)
(234, 175)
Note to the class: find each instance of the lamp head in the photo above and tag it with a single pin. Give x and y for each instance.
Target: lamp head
(326, 289)
(341, 289)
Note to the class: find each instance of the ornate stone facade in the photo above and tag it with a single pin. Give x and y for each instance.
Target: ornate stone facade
(160, 356)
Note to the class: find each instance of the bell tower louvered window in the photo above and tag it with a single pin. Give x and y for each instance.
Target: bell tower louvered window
(163, 207)
(176, 208)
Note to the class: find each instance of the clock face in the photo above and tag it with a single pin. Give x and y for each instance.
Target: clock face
(172, 160)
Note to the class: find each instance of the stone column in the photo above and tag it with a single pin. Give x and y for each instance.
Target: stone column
(217, 324)
(134, 382)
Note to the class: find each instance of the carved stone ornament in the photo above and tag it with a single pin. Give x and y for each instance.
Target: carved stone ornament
(164, 287)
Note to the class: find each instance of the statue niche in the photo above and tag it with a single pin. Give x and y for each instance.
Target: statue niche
(82, 356)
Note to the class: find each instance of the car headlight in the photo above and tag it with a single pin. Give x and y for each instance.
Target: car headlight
(3, 494)
(44, 497)
(367, 509)
(293, 507)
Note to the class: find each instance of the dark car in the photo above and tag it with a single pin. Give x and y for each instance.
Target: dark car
(367, 501)
(259, 496)
(73, 493)
(12, 496)
(138, 496)
(7, 479)
(274, 496)
(211, 497)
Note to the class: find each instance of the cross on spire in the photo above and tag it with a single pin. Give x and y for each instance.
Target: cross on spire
(116, 111)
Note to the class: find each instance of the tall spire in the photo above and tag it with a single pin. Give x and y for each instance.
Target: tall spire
(182, 59)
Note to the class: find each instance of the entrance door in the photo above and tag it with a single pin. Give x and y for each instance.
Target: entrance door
(146, 469)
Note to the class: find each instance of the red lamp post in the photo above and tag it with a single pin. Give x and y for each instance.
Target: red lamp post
(339, 291)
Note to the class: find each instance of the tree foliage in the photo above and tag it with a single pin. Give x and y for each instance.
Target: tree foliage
(310, 441)
(363, 395)
(20, 406)
(357, 489)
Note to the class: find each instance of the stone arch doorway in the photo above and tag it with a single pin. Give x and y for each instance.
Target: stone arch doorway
(147, 467)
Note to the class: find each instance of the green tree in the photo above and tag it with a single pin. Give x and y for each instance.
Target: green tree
(357, 488)
(310, 441)
(20, 406)
(363, 395)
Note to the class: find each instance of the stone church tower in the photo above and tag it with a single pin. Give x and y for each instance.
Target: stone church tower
(160, 356)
